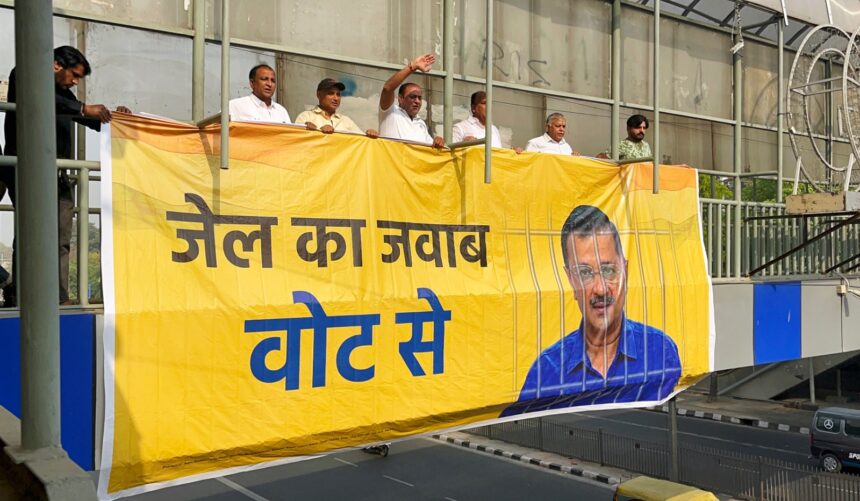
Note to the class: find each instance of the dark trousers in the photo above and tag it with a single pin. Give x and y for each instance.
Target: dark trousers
(65, 214)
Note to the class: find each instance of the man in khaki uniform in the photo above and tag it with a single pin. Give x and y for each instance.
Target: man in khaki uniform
(324, 117)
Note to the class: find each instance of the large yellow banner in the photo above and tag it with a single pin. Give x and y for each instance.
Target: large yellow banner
(330, 290)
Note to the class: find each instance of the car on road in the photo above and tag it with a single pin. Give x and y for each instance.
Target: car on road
(834, 438)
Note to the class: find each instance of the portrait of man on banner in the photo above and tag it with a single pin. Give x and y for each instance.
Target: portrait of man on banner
(609, 358)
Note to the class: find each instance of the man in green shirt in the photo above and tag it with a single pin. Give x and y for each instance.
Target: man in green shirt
(635, 146)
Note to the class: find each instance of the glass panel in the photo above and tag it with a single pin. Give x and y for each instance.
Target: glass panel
(696, 69)
(696, 66)
(760, 83)
(167, 13)
(122, 60)
(637, 37)
(852, 427)
(697, 143)
(562, 45)
(392, 31)
(758, 150)
(828, 423)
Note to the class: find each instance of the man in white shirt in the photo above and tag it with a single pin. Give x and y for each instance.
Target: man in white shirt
(325, 117)
(475, 127)
(259, 106)
(553, 139)
(400, 120)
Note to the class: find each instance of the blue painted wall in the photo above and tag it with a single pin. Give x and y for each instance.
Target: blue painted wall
(77, 380)
(776, 322)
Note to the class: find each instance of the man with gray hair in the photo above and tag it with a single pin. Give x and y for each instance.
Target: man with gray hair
(553, 139)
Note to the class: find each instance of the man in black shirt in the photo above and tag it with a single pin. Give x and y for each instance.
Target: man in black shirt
(70, 66)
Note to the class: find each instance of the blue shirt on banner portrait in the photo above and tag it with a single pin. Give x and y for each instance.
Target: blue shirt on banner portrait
(609, 358)
(646, 368)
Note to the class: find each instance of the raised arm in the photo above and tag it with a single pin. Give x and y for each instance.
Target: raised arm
(420, 63)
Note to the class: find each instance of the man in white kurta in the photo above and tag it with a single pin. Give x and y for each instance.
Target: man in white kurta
(259, 106)
(400, 120)
(475, 126)
(552, 141)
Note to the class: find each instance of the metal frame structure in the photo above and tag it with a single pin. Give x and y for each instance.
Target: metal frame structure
(688, 11)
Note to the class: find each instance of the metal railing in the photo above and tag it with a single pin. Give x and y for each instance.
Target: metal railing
(744, 476)
(767, 232)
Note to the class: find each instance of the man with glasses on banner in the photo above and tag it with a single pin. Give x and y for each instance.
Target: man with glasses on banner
(609, 358)
(400, 120)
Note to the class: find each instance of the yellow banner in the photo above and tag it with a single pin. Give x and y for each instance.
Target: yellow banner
(330, 290)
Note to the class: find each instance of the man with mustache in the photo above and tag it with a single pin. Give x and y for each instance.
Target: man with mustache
(325, 117)
(553, 139)
(400, 120)
(634, 146)
(259, 106)
(609, 358)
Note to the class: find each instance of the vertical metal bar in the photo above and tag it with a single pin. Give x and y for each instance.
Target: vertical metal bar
(198, 52)
(225, 83)
(540, 434)
(738, 156)
(838, 383)
(673, 440)
(448, 60)
(712, 257)
(83, 236)
(83, 187)
(780, 107)
(614, 130)
(655, 87)
(600, 456)
(81, 91)
(37, 211)
(828, 119)
(488, 137)
(719, 255)
(812, 380)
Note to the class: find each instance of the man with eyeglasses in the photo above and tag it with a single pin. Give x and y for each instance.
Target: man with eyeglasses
(400, 120)
(609, 358)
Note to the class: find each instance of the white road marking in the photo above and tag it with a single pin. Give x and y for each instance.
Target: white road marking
(238, 488)
(449, 499)
(345, 462)
(399, 481)
(706, 437)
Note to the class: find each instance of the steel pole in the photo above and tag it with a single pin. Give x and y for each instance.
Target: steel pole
(812, 381)
(738, 92)
(673, 441)
(198, 61)
(448, 60)
(83, 188)
(83, 236)
(780, 114)
(655, 85)
(828, 119)
(488, 135)
(225, 83)
(616, 78)
(37, 211)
